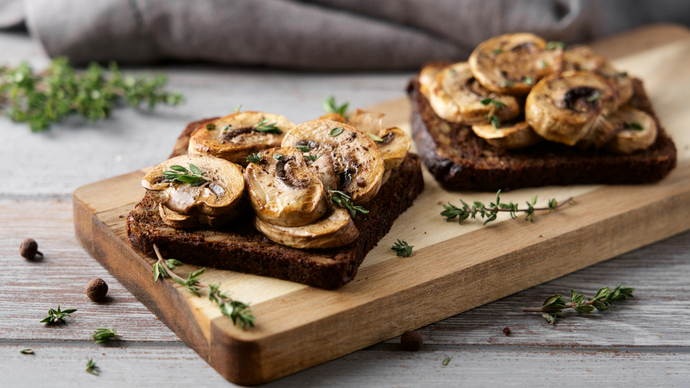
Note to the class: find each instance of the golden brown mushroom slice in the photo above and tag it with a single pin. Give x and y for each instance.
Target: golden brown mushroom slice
(356, 158)
(457, 96)
(238, 135)
(514, 63)
(581, 57)
(367, 122)
(508, 136)
(335, 117)
(196, 184)
(565, 107)
(182, 221)
(393, 143)
(427, 76)
(283, 190)
(336, 230)
(636, 130)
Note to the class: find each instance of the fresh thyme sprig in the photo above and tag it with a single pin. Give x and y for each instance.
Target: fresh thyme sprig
(57, 316)
(496, 103)
(555, 304)
(239, 312)
(375, 138)
(329, 106)
(254, 158)
(491, 212)
(491, 116)
(343, 200)
(265, 126)
(102, 334)
(91, 367)
(311, 157)
(45, 98)
(194, 176)
(335, 131)
(401, 248)
(303, 148)
(553, 45)
(635, 126)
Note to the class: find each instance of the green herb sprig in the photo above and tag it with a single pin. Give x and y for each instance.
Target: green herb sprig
(636, 126)
(594, 97)
(335, 131)
(303, 148)
(401, 248)
(312, 157)
(254, 158)
(57, 316)
(42, 99)
(553, 45)
(553, 306)
(194, 176)
(343, 200)
(91, 367)
(266, 127)
(102, 335)
(375, 138)
(239, 312)
(329, 106)
(491, 212)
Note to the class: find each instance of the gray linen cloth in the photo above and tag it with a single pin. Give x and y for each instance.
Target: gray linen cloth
(314, 34)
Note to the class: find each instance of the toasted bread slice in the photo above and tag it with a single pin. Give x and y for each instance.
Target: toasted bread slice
(459, 159)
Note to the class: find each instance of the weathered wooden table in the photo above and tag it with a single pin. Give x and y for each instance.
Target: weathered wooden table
(641, 342)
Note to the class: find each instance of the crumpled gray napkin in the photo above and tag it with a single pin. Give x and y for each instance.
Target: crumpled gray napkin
(315, 34)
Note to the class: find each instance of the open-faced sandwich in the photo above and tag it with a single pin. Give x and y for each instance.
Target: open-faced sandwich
(526, 112)
(255, 193)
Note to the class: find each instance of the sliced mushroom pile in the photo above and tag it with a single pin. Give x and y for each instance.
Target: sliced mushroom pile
(194, 189)
(238, 135)
(574, 96)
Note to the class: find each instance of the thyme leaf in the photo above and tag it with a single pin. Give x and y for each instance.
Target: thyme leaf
(345, 201)
(401, 248)
(329, 106)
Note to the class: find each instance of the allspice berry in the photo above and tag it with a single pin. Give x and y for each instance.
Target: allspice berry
(96, 289)
(411, 340)
(29, 249)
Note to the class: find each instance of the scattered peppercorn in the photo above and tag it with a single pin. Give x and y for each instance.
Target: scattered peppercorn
(507, 331)
(96, 289)
(411, 340)
(29, 249)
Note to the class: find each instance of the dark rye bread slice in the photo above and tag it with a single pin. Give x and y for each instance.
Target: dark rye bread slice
(240, 247)
(459, 159)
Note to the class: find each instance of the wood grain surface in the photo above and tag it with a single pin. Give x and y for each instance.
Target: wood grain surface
(642, 342)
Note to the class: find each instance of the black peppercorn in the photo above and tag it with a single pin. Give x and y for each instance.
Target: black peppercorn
(96, 289)
(507, 331)
(29, 249)
(411, 340)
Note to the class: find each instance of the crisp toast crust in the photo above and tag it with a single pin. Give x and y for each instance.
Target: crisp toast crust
(459, 159)
(240, 247)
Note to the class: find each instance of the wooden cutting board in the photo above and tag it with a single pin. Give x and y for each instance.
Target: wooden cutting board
(454, 267)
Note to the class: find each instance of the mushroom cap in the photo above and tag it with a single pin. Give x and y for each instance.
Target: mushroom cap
(637, 130)
(233, 137)
(508, 136)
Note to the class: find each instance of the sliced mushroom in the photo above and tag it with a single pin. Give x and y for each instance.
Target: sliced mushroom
(335, 117)
(217, 190)
(564, 107)
(428, 74)
(325, 170)
(457, 96)
(514, 63)
(508, 136)
(393, 144)
(236, 136)
(367, 122)
(356, 159)
(336, 230)
(182, 221)
(636, 130)
(583, 58)
(283, 190)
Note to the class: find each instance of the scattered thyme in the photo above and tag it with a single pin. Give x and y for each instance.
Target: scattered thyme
(375, 138)
(210, 126)
(594, 97)
(278, 157)
(266, 127)
(239, 312)
(303, 148)
(254, 158)
(345, 201)
(312, 157)
(623, 74)
(553, 306)
(329, 106)
(42, 99)
(335, 131)
(491, 212)
(194, 176)
(553, 45)
(493, 119)
(401, 248)
(446, 361)
(497, 51)
(26, 351)
(496, 103)
(91, 367)
(544, 64)
(57, 316)
(237, 108)
(636, 126)
(491, 116)
(102, 334)
(528, 80)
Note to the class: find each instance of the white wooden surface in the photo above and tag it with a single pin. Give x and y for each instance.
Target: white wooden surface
(642, 342)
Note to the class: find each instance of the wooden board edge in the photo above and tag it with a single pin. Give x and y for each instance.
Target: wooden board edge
(134, 273)
(280, 355)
